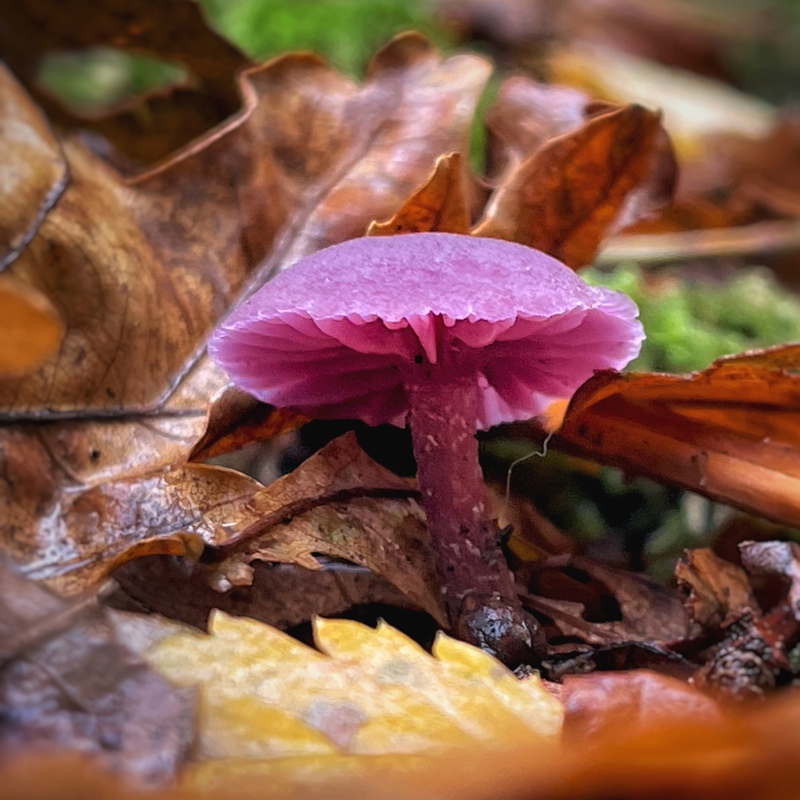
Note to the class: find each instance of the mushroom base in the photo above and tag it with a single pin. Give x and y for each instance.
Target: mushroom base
(477, 586)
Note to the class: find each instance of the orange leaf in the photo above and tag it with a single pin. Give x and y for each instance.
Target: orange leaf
(730, 433)
(583, 185)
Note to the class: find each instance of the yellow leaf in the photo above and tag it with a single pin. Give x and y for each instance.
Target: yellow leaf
(372, 699)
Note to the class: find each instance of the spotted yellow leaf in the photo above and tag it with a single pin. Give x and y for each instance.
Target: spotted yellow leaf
(367, 698)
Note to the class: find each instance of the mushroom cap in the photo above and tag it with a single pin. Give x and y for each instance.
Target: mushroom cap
(337, 334)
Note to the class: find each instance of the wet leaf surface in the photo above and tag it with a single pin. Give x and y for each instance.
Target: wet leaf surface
(67, 684)
(177, 246)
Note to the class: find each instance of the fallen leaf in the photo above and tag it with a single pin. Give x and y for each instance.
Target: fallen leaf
(142, 270)
(694, 108)
(738, 756)
(718, 591)
(648, 612)
(237, 419)
(581, 186)
(440, 204)
(177, 32)
(598, 703)
(339, 503)
(281, 595)
(67, 684)
(31, 327)
(34, 170)
(729, 433)
(266, 697)
(527, 114)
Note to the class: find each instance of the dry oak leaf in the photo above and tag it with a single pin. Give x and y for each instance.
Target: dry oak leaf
(730, 433)
(571, 175)
(338, 503)
(68, 683)
(271, 707)
(650, 613)
(142, 270)
(584, 185)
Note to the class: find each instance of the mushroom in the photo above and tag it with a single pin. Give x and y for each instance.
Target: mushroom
(449, 333)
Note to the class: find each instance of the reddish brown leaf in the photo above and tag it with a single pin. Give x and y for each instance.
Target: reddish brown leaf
(648, 612)
(601, 702)
(528, 114)
(718, 591)
(237, 419)
(730, 433)
(581, 186)
(440, 204)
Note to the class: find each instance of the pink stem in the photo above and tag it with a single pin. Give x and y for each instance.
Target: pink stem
(477, 585)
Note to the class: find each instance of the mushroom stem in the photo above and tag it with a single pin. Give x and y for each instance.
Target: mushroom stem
(477, 585)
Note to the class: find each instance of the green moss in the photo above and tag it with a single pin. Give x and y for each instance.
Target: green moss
(345, 32)
(690, 324)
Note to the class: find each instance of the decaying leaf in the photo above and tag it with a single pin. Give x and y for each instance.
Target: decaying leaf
(584, 185)
(281, 595)
(266, 698)
(718, 590)
(237, 419)
(67, 684)
(730, 433)
(141, 271)
(737, 756)
(694, 107)
(339, 503)
(650, 613)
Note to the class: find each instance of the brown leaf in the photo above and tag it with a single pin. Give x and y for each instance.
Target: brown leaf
(175, 31)
(283, 595)
(583, 185)
(730, 433)
(527, 114)
(237, 419)
(142, 271)
(598, 703)
(776, 558)
(328, 506)
(34, 170)
(440, 204)
(718, 591)
(67, 684)
(650, 613)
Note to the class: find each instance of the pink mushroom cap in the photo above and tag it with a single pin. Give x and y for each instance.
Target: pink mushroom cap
(336, 334)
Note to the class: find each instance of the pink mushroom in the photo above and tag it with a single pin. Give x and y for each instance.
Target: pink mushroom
(449, 333)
